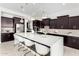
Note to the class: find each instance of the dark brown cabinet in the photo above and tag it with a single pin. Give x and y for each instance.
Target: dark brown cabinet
(53, 24)
(46, 21)
(41, 24)
(6, 22)
(71, 42)
(6, 37)
(74, 22)
(17, 20)
(62, 22)
(36, 24)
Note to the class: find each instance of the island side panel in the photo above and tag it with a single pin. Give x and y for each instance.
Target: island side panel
(58, 48)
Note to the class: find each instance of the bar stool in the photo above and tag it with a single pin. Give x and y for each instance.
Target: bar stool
(42, 50)
(19, 42)
(30, 45)
(24, 43)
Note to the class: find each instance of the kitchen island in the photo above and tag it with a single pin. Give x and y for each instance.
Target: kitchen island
(55, 43)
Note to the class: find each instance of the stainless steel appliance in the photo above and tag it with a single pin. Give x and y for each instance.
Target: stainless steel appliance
(19, 28)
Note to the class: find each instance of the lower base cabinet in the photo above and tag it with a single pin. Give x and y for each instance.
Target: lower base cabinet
(6, 37)
(71, 42)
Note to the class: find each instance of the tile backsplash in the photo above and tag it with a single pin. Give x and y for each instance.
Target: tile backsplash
(7, 30)
(61, 31)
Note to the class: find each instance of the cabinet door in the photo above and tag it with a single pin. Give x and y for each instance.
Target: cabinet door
(46, 21)
(3, 37)
(36, 23)
(74, 22)
(41, 24)
(53, 24)
(7, 22)
(17, 20)
(6, 37)
(72, 42)
(11, 36)
(62, 22)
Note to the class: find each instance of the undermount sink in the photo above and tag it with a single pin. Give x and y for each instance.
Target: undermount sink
(69, 33)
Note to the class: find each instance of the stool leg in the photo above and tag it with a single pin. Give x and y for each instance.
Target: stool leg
(34, 55)
(26, 53)
(25, 49)
(20, 48)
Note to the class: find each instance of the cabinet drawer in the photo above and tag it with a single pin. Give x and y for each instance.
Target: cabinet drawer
(74, 22)
(6, 37)
(52, 23)
(62, 22)
(72, 42)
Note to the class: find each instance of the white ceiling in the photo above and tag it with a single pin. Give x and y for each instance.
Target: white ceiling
(39, 9)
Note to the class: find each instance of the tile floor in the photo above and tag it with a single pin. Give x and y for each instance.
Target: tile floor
(70, 51)
(8, 49)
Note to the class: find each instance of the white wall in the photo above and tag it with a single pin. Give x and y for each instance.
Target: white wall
(0, 26)
(71, 12)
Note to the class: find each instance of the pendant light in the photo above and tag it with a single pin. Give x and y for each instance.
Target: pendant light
(44, 14)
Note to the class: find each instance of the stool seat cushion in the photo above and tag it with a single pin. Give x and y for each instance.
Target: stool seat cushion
(28, 42)
(41, 49)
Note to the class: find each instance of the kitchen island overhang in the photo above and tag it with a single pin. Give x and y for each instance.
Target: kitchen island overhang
(55, 43)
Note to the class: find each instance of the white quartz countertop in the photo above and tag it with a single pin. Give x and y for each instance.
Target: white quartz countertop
(74, 33)
(41, 38)
(71, 34)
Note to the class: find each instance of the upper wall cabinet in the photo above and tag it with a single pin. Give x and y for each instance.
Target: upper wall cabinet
(6, 22)
(17, 20)
(53, 24)
(41, 24)
(62, 22)
(46, 21)
(74, 22)
(36, 23)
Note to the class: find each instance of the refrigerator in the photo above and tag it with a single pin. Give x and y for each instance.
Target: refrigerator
(19, 28)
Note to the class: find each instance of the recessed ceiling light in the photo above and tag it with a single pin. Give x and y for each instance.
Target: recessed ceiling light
(69, 10)
(30, 3)
(33, 3)
(26, 3)
(22, 8)
(63, 4)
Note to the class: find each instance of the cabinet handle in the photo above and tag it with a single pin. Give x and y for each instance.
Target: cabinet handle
(61, 26)
(74, 40)
(74, 26)
(8, 35)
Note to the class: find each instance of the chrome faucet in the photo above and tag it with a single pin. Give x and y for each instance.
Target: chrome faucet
(69, 32)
